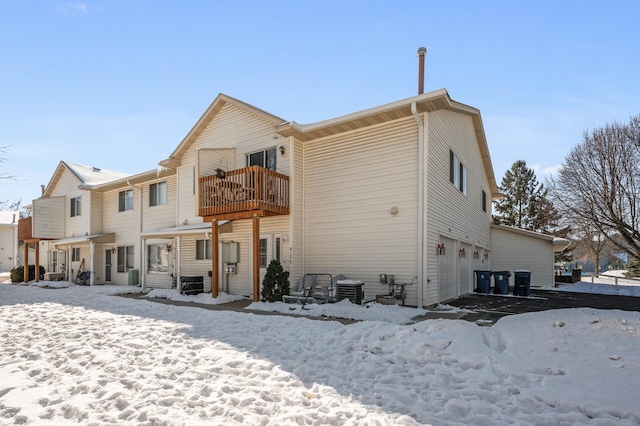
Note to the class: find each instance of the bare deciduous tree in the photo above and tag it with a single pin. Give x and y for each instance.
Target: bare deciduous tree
(599, 184)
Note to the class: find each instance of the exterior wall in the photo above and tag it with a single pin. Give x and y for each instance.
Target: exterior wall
(296, 237)
(231, 127)
(96, 211)
(450, 213)
(351, 183)
(67, 186)
(49, 217)
(513, 250)
(8, 247)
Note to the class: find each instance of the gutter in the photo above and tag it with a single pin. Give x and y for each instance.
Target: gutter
(421, 206)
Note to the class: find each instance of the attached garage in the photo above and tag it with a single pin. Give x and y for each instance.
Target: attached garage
(513, 249)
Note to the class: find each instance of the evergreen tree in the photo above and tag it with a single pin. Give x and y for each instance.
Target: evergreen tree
(275, 283)
(525, 204)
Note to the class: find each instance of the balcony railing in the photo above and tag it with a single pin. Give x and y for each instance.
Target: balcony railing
(25, 228)
(244, 190)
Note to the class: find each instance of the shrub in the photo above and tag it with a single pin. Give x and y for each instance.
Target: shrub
(17, 273)
(275, 283)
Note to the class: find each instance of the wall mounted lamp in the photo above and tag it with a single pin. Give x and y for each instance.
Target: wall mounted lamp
(462, 252)
(441, 249)
(282, 150)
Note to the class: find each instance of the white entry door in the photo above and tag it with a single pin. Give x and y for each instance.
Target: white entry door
(270, 249)
(447, 282)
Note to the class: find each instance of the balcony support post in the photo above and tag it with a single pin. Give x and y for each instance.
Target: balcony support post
(256, 258)
(25, 262)
(215, 286)
(37, 262)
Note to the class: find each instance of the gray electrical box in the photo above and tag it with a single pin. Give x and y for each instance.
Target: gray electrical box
(230, 252)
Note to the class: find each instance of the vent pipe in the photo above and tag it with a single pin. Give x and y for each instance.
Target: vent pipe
(422, 52)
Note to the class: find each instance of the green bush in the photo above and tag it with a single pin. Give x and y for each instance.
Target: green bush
(17, 273)
(275, 283)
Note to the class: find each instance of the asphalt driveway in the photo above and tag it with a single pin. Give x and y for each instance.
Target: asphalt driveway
(490, 307)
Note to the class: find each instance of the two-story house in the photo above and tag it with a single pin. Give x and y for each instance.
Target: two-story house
(403, 189)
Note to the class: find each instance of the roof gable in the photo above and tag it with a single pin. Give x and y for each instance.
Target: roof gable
(87, 176)
(206, 118)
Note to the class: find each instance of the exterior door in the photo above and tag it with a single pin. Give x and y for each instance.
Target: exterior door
(107, 266)
(465, 256)
(447, 282)
(270, 249)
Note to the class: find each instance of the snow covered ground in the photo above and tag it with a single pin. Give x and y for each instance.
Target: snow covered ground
(79, 355)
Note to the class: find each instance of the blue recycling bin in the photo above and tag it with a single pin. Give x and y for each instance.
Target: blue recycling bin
(501, 282)
(522, 283)
(483, 281)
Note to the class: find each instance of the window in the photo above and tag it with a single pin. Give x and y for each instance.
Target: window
(266, 159)
(75, 254)
(203, 249)
(76, 206)
(54, 261)
(484, 201)
(263, 252)
(158, 258)
(457, 173)
(125, 258)
(125, 200)
(157, 194)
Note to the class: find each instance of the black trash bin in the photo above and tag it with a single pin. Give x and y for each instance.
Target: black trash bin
(522, 283)
(501, 280)
(483, 281)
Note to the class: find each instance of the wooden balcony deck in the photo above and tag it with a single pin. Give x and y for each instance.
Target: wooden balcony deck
(243, 193)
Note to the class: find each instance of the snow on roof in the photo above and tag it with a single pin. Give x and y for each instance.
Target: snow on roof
(9, 217)
(90, 175)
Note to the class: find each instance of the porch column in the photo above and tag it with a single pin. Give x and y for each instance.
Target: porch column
(25, 262)
(91, 264)
(214, 259)
(256, 258)
(37, 262)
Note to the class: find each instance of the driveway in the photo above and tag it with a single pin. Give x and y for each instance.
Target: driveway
(490, 307)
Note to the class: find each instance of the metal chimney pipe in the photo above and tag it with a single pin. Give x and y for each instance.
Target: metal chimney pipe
(422, 52)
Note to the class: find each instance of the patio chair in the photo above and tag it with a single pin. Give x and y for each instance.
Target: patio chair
(305, 287)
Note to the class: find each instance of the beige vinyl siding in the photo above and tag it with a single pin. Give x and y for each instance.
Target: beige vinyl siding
(96, 211)
(49, 217)
(126, 226)
(160, 216)
(351, 182)
(297, 212)
(67, 186)
(231, 127)
(450, 213)
(513, 250)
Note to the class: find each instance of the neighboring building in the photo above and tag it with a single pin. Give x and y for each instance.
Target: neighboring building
(402, 189)
(518, 249)
(8, 240)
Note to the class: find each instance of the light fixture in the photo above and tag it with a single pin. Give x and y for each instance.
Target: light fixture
(462, 252)
(393, 211)
(113, 250)
(282, 150)
(441, 249)
(221, 174)
(476, 254)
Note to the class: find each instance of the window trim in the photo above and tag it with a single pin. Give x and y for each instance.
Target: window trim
(76, 206)
(267, 153)
(158, 194)
(123, 198)
(457, 173)
(128, 254)
(205, 250)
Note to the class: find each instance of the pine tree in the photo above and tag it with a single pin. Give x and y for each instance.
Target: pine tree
(525, 204)
(275, 283)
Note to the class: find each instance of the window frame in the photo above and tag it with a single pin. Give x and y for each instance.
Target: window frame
(75, 206)
(203, 250)
(268, 155)
(125, 200)
(160, 253)
(158, 194)
(75, 254)
(457, 173)
(127, 263)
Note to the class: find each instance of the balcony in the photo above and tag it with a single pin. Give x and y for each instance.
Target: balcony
(243, 193)
(25, 228)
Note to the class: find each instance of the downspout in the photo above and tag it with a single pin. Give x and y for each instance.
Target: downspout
(421, 206)
(142, 268)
